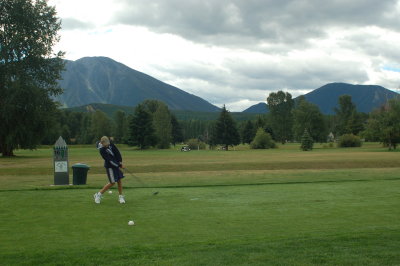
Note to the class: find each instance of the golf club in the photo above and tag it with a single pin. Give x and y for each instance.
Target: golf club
(138, 179)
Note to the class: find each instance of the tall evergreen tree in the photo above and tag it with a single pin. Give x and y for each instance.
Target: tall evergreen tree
(177, 134)
(248, 132)
(163, 126)
(141, 131)
(73, 122)
(307, 141)
(100, 126)
(348, 120)
(226, 132)
(121, 126)
(260, 122)
(308, 116)
(29, 71)
(85, 136)
(280, 105)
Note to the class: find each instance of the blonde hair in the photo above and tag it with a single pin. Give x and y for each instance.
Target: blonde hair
(105, 140)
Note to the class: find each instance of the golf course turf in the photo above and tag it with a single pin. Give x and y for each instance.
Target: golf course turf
(283, 206)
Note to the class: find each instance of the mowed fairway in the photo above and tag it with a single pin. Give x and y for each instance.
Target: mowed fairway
(244, 207)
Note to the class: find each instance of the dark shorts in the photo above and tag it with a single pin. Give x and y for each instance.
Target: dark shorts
(114, 174)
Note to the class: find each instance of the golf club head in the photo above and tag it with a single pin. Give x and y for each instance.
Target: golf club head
(155, 193)
(98, 145)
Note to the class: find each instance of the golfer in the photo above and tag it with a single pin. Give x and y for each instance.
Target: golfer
(112, 162)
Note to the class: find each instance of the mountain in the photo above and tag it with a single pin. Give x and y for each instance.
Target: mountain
(103, 80)
(365, 97)
(259, 108)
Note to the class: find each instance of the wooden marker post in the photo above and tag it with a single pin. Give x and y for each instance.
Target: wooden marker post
(61, 169)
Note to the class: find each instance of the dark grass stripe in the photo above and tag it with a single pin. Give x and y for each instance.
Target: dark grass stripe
(54, 188)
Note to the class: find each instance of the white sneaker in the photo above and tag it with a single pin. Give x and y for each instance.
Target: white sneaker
(121, 199)
(97, 197)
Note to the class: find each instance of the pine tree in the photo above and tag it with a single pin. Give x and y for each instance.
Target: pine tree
(163, 126)
(121, 126)
(308, 115)
(177, 134)
(280, 105)
(307, 142)
(141, 131)
(226, 132)
(100, 126)
(349, 121)
(248, 132)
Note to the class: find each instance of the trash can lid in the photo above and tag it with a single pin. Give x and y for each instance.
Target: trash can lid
(80, 165)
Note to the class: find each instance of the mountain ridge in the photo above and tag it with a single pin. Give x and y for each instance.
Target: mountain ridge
(103, 80)
(91, 80)
(365, 97)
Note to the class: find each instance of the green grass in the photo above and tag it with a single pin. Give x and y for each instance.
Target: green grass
(243, 207)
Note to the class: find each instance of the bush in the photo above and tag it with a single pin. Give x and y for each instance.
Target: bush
(195, 144)
(262, 140)
(307, 142)
(328, 145)
(349, 140)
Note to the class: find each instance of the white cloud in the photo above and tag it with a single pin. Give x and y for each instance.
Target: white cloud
(236, 52)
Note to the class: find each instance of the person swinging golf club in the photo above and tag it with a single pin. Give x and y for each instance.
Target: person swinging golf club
(112, 162)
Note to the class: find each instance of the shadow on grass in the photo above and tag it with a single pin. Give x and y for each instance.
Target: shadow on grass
(71, 187)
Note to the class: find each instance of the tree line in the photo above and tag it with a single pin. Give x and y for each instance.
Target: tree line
(152, 124)
(29, 74)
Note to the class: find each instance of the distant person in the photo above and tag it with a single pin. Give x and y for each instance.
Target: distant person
(112, 162)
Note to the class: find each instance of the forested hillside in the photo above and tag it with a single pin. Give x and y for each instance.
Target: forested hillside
(102, 80)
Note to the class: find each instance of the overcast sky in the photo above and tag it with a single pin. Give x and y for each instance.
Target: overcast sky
(237, 52)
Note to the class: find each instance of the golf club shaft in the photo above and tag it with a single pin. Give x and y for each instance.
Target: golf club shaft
(139, 180)
(135, 176)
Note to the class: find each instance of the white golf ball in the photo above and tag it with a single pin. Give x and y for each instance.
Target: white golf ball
(131, 223)
(110, 192)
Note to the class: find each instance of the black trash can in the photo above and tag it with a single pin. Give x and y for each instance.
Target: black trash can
(80, 173)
